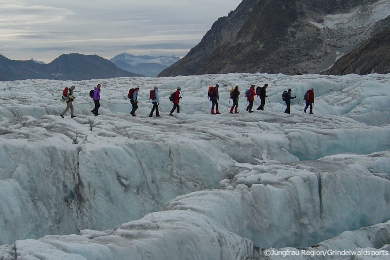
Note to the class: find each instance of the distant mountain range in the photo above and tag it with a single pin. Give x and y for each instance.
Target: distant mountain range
(72, 66)
(149, 66)
(293, 37)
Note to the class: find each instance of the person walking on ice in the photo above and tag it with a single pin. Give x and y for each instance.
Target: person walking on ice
(214, 98)
(134, 101)
(96, 100)
(69, 98)
(287, 99)
(175, 98)
(250, 96)
(234, 95)
(155, 101)
(309, 98)
(262, 93)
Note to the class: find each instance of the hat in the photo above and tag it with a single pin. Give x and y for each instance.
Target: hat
(216, 85)
(178, 88)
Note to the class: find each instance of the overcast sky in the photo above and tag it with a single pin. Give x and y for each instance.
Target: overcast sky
(45, 29)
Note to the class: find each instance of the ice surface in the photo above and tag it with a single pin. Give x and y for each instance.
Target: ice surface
(194, 185)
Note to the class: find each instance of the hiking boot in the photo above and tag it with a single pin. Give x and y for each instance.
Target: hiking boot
(72, 116)
(218, 112)
(62, 116)
(212, 111)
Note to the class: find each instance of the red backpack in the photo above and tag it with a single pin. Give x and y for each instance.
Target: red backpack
(211, 91)
(152, 95)
(131, 92)
(65, 92)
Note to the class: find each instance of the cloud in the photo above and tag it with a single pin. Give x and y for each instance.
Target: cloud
(18, 15)
(28, 28)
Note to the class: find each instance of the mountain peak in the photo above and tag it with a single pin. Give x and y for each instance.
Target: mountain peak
(146, 65)
(290, 37)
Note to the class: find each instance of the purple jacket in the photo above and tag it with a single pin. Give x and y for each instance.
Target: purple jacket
(96, 94)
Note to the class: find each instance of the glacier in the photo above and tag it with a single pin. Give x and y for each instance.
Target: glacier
(195, 186)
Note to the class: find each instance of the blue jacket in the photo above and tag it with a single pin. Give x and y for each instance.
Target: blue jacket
(135, 95)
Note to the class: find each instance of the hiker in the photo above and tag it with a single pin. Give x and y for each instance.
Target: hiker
(287, 98)
(250, 96)
(261, 92)
(134, 101)
(234, 95)
(69, 102)
(96, 100)
(175, 98)
(309, 98)
(155, 100)
(214, 98)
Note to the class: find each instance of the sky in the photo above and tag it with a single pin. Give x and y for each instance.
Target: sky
(43, 30)
(195, 185)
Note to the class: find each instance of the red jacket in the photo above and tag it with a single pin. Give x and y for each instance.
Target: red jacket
(253, 94)
(176, 99)
(310, 99)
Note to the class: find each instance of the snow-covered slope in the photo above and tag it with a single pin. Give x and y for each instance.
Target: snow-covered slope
(146, 65)
(194, 185)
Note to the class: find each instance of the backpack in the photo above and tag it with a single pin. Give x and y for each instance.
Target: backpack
(258, 91)
(232, 93)
(306, 96)
(152, 95)
(91, 92)
(172, 96)
(65, 93)
(211, 91)
(285, 95)
(131, 92)
(248, 93)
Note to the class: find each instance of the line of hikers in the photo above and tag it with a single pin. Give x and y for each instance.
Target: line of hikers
(213, 95)
(250, 95)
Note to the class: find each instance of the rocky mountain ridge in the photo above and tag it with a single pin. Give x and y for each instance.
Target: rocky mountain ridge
(278, 36)
(72, 66)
